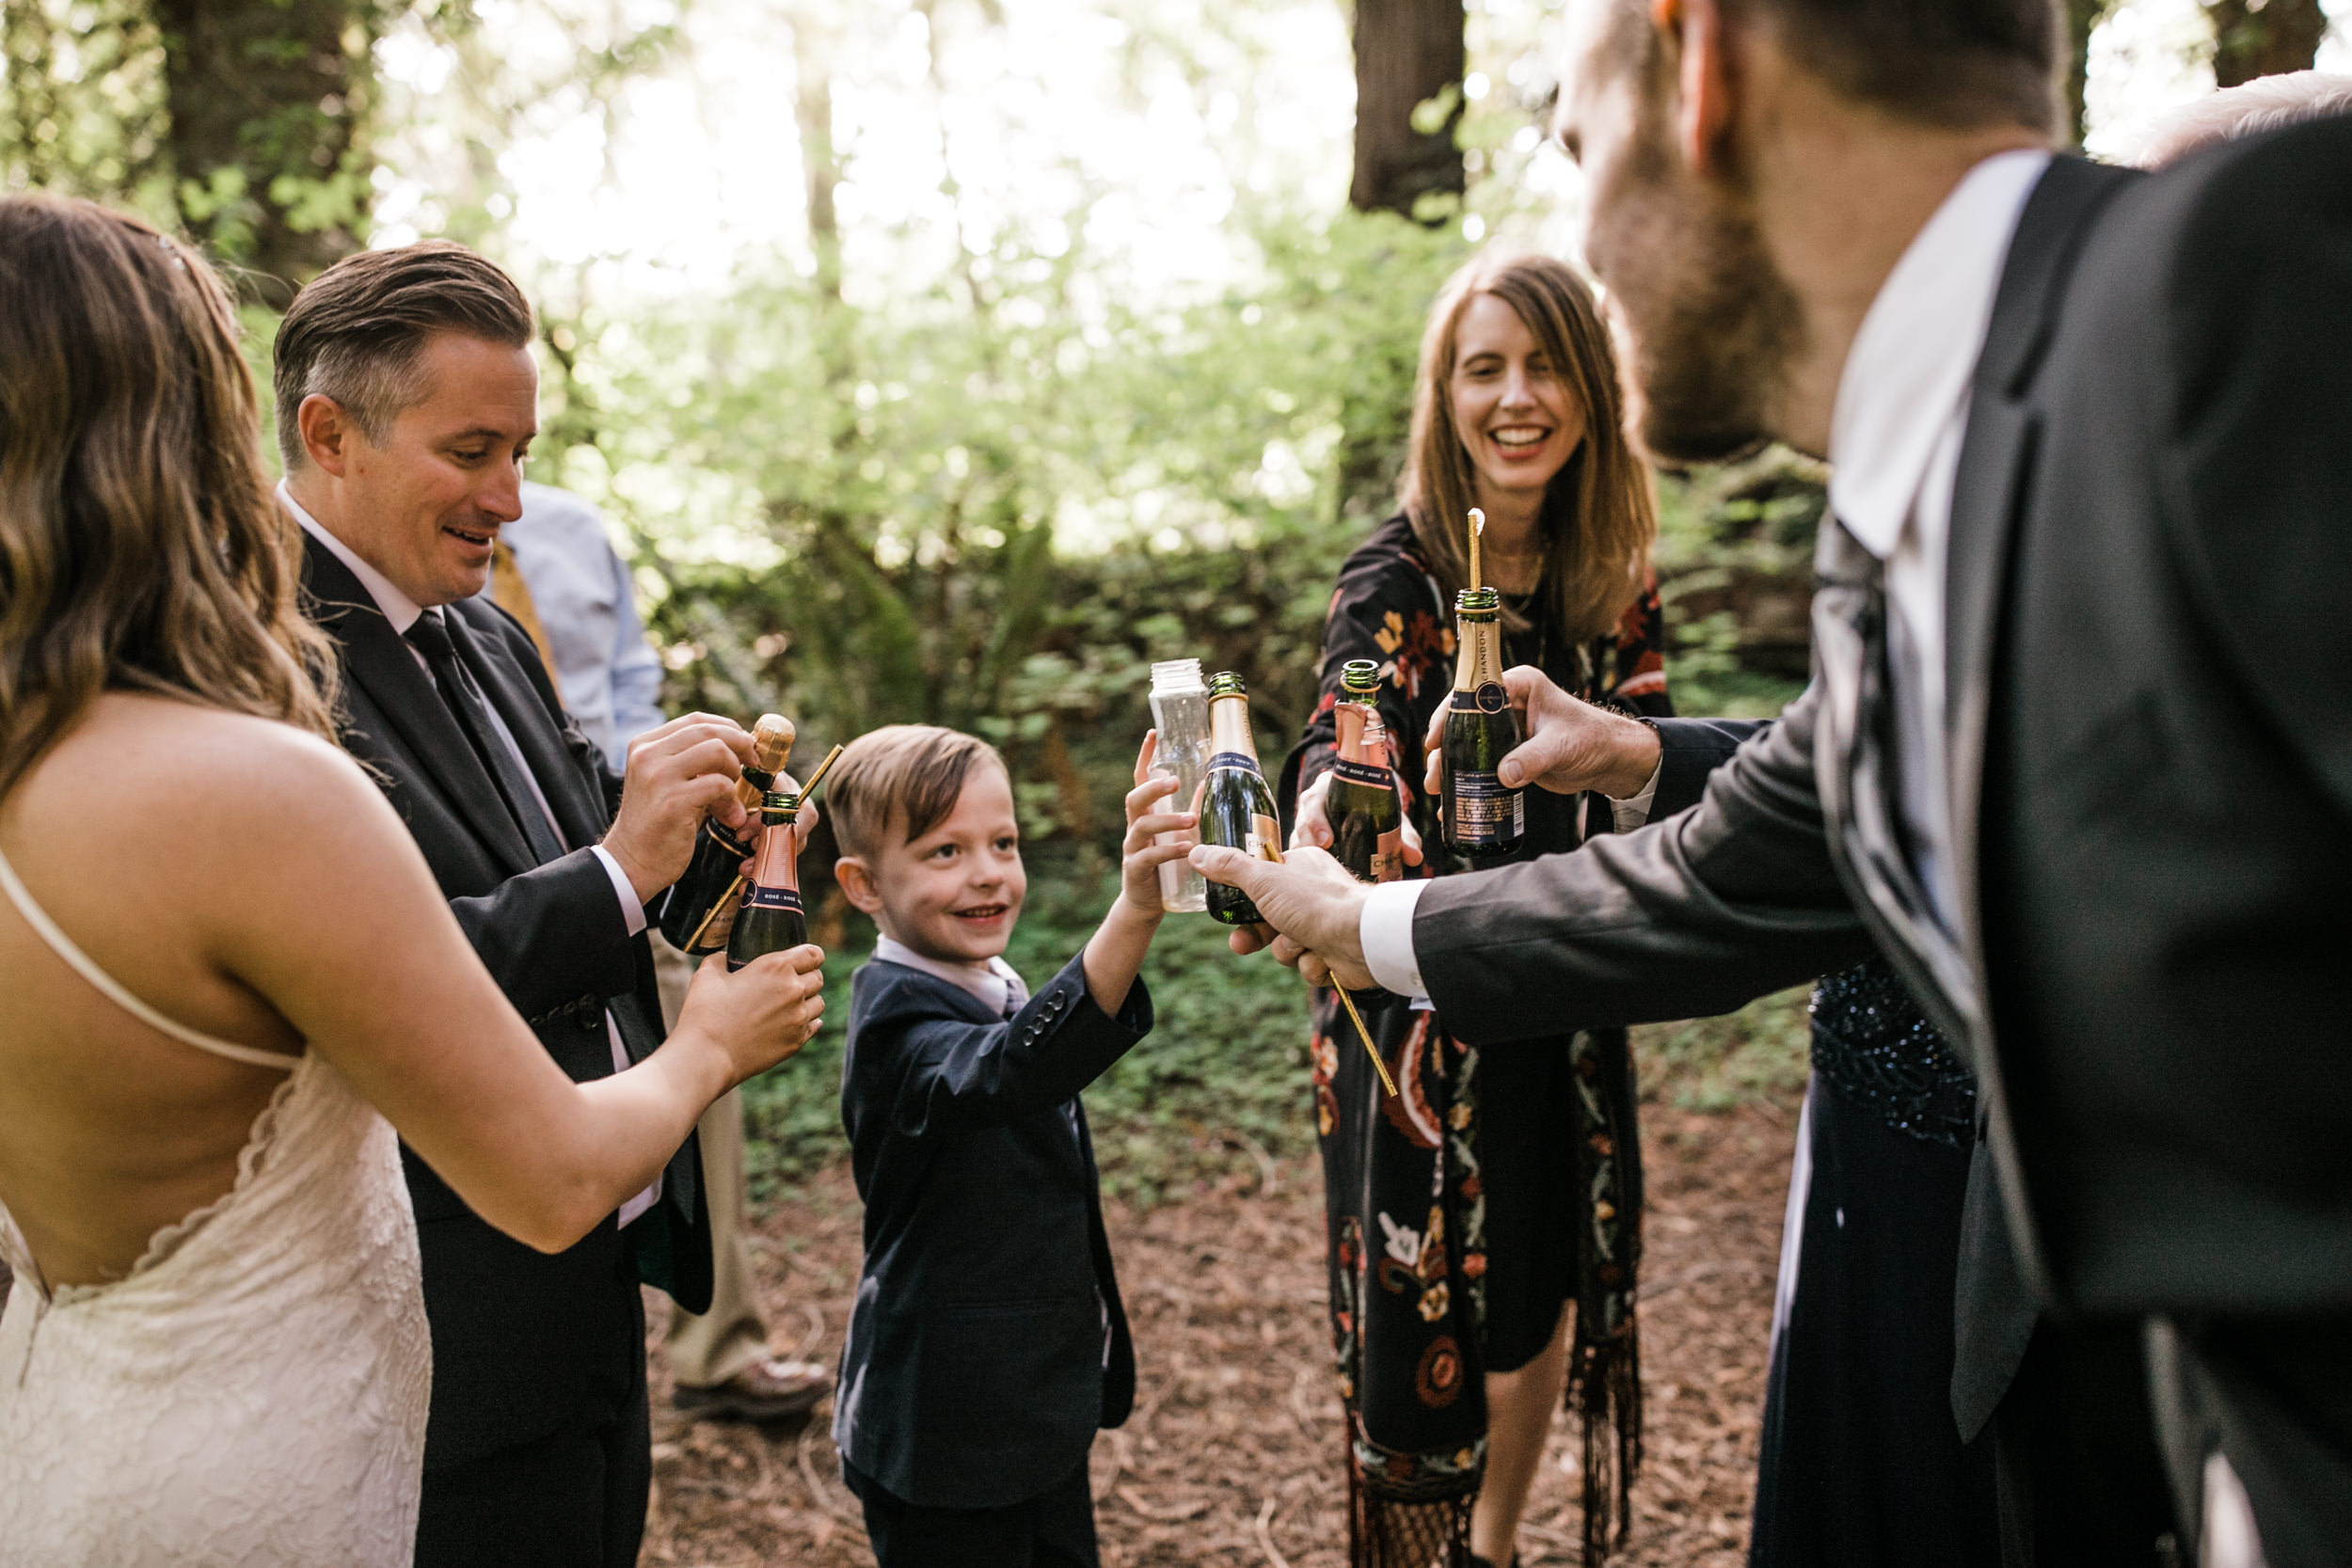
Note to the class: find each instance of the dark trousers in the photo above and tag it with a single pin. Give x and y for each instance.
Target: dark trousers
(575, 1498)
(1056, 1531)
(2076, 1462)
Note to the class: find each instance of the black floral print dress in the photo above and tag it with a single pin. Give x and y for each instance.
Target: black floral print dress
(1498, 1183)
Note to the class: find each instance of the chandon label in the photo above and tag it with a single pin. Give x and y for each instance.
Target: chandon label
(1264, 838)
(1489, 698)
(774, 899)
(1483, 811)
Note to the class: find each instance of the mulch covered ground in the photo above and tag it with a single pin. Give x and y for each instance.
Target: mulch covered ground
(1232, 1454)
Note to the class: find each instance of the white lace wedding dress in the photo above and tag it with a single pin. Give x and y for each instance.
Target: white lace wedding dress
(253, 1392)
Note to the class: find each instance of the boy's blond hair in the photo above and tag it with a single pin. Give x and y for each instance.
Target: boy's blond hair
(913, 772)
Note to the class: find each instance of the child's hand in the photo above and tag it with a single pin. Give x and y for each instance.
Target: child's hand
(1141, 856)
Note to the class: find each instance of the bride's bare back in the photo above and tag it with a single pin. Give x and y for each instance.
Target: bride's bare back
(117, 1130)
(247, 880)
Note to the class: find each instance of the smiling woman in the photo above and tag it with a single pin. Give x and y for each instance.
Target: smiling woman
(1523, 1193)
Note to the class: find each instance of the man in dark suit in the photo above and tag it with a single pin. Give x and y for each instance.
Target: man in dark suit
(406, 399)
(2076, 755)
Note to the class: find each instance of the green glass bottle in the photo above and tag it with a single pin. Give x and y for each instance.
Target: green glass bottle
(686, 911)
(1236, 807)
(769, 919)
(1482, 817)
(1367, 821)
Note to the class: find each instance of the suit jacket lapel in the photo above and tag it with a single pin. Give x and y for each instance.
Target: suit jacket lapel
(537, 734)
(1996, 458)
(381, 664)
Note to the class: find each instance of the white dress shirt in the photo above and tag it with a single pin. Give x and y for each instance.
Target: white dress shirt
(996, 983)
(404, 612)
(609, 679)
(1894, 436)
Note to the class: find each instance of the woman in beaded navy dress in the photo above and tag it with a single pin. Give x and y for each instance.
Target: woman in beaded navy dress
(1861, 1463)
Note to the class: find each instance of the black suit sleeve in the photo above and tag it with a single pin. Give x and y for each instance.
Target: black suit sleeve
(953, 1075)
(553, 935)
(1695, 914)
(2259, 427)
(1691, 749)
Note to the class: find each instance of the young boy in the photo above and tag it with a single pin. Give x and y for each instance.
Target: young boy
(988, 1342)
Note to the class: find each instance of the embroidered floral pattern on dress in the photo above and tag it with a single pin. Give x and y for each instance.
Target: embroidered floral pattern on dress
(1418, 1461)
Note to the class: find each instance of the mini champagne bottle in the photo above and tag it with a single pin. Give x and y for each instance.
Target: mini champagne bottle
(1367, 822)
(769, 919)
(1482, 817)
(719, 854)
(1236, 807)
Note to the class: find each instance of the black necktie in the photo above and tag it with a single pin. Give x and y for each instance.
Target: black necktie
(430, 637)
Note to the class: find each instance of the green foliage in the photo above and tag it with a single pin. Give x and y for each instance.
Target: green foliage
(81, 103)
(1760, 1052)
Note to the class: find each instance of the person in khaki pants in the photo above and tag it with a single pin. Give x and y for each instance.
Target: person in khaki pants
(556, 572)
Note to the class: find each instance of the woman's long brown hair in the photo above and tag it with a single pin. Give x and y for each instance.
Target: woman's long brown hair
(140, 547)
(1599, 517)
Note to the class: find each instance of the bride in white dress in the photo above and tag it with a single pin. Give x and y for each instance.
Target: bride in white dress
(221, 958)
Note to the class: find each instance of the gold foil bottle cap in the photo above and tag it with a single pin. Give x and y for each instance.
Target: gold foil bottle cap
(771, 738)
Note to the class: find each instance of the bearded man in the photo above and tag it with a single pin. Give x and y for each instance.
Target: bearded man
(2078, 756)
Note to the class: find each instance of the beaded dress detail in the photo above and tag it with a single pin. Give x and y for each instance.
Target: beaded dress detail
(1871, 1040)
(253, 1392)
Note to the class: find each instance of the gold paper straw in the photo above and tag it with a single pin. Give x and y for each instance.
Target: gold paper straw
(1477, 527)
(1350, 1003)
(734, 889)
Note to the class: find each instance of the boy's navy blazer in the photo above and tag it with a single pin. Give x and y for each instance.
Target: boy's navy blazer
(988, 1342)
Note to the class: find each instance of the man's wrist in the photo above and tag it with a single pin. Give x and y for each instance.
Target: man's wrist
(1639, 753)
(644, 885)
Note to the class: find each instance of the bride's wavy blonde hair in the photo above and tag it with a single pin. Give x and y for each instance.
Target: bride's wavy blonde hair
(140, 547)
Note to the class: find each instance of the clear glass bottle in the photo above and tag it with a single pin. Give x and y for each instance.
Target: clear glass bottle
(1180, 711)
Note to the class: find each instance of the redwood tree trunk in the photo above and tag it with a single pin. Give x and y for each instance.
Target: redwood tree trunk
(266, 99)
(2264, 38)
(1407, 51)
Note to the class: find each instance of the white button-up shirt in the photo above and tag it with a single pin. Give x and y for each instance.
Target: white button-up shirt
(1896, 428)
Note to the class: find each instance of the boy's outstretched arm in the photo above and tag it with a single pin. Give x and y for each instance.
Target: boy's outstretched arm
(1115, 953)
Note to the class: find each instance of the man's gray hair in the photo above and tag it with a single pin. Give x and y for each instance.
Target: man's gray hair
(356, 332)
(2265, 103)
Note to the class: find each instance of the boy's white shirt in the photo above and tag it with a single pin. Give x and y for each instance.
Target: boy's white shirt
(996, 983)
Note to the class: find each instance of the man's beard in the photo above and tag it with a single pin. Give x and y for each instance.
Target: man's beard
(1713, 328)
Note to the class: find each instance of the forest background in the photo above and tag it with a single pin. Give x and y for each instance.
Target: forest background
(951, 360)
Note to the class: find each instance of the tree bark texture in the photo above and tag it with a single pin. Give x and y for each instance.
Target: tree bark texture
(2264, 38)
(1406, 53)
(266, 100)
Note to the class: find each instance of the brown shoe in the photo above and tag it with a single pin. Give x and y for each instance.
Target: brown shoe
(767, 1390)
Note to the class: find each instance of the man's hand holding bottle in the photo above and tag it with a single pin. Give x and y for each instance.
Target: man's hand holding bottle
(1571, 745)
(1313, 909)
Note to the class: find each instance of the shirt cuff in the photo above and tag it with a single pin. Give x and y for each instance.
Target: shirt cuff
(1386, 930)
(1631, 812)
(632, 908)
